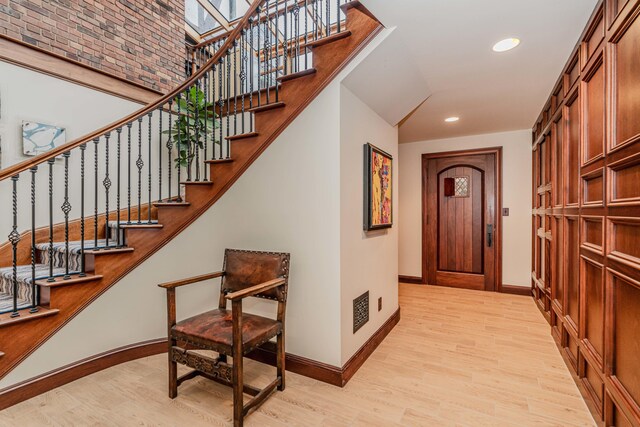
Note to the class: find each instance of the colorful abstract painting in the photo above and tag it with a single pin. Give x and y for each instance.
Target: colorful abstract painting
(378, 188)
(39, 138)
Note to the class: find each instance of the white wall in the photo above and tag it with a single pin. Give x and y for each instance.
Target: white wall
(516, 195)
(290, 200)
(369, 260)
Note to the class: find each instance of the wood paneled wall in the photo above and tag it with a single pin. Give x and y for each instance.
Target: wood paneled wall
(586, 198)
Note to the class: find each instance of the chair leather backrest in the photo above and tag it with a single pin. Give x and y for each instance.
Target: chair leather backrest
(244, 269)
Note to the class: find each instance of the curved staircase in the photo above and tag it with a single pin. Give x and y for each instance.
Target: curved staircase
(50, 272)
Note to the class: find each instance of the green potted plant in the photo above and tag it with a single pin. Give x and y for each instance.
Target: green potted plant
(196, 118)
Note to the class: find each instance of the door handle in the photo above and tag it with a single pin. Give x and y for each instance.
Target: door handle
(489, 235)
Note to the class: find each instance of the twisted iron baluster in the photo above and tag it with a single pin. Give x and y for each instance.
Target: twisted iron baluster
(66, 208)
(228, 98)
(220, 103)
(187, 98)
(296, 17)
(149, 169)
(328, 5)
(259, 32)
(251, 30)
(169, 148)
(235, 88)
(267, 56)
(338, 13)
(179, 146)
(107, 185)
(83, 148)
(306, 35)
(34, 287)
(14, 238)
(119, 133)
(196, 129)
(139, 165)
(243, 72)
(160, 154)
(50, 162)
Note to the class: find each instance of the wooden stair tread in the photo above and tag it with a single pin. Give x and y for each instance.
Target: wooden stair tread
(139, 225)
(297, 75)
(242, 136)
(75, 279)
(197, 182)
(267, 107)
(329, 39)
(217, 161)
(357, 4)
(171, 204)
(108, 251)
(25, 315)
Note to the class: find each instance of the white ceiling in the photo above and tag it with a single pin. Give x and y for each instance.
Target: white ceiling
(450, 44)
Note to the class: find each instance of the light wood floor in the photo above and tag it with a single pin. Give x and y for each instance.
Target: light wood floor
(457, 358)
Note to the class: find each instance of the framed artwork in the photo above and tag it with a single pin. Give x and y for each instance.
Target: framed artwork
(378, 180)
(39, 138)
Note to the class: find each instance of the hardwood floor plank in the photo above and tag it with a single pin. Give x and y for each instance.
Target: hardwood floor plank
(457, 358)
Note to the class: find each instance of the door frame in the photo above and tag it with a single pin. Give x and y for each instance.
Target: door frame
(497, 152)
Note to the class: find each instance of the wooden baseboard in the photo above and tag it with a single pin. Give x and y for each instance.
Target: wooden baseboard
(516, 290)
(42, 383)
(321, 371)
(300, 365)
(411, 279)
(37, 59)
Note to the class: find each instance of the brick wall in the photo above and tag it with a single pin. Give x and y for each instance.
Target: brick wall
(139, 40)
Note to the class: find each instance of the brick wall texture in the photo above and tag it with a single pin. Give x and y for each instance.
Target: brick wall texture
(139, 40)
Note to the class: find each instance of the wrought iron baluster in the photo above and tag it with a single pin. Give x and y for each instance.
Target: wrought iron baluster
(34, 287)
(277, 36)
(118, 150)
(251, 30)
(51, 162)
(149, 184)
(66, 208)
(196, 128)
(243, 73)
(83, 148)
(220, 102)
(179, 145)
(235, 88)
(129, 172)
(228, 96)
(205, 120)
(285, 44)
(267, 56)
(106, 182)
(96, 141)
(14, 238)
(187, 136)
(169, 149)
(139, 165)
(160, 154)
(259, 31)
(306, 35)
(338, 14)
(296, 17)
(328, 6)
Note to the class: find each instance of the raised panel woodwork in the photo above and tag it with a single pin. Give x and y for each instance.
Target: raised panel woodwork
(593, 312)
(572, 164)
(593, 114)
(594, 37)
(625, 347)
(557, 162)
(626, 84)
(624, 176)
(593, 233)
(572, 260)
(593, 204)
(624, 240)
(594, 386)
(593, 188)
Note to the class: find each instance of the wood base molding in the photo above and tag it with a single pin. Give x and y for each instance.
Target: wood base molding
(411, 279)
(300, 365)
(516, 290)
(328, 373)
(34, 58)
(42, 383)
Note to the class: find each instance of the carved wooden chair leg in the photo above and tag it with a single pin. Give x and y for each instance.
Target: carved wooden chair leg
(281, 357)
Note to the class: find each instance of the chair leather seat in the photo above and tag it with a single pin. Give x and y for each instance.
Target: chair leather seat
(216, 327)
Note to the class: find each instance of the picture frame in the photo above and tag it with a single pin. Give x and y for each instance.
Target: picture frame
(378, 188)
(38, 138)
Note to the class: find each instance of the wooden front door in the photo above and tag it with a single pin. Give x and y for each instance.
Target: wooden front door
(462, 229)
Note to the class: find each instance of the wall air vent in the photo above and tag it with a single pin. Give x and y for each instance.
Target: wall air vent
(360, 311)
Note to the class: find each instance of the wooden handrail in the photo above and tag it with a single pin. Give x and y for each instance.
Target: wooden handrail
(37, 160)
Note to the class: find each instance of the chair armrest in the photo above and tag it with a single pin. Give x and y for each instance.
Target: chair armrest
(253, 290)
(190, 280)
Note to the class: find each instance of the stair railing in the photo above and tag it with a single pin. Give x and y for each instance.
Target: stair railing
(78, 198)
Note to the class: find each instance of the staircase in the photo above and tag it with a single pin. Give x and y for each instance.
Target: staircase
(116, 196)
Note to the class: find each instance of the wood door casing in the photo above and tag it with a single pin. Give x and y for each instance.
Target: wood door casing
(455, 246)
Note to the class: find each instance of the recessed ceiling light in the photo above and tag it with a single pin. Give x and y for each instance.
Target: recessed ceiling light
(451, 119)
(506, 44)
